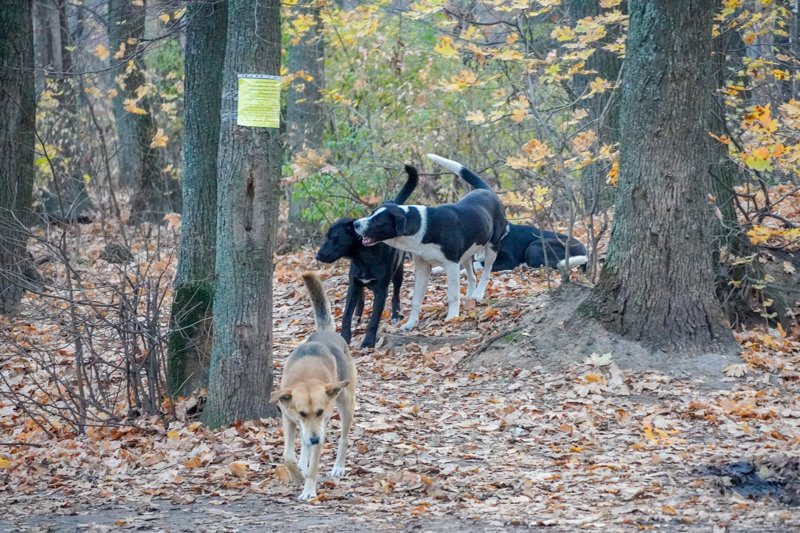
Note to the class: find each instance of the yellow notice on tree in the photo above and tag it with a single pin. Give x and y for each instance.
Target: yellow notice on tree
(259, 101)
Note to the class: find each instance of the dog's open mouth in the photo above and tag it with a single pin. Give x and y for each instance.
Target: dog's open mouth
(367, 241)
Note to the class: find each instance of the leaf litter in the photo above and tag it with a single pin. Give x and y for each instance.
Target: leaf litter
(439, 443)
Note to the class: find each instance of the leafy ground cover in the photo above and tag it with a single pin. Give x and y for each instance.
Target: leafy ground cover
(441, 441)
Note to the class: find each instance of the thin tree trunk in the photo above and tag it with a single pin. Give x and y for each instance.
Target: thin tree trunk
(304, 111)
(240, 377)
(140, 163)
(17, 137)
(190, 340)
(657, 285)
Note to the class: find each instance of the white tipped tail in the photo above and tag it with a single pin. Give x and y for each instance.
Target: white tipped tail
(575, 261)
(319, 300)
(452, 166)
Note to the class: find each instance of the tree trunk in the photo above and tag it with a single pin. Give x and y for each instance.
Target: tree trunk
(190, 339)
(657, 285)
(304, 111)
(140, 163)
(17, 138)
(249, 164)
(603, 110)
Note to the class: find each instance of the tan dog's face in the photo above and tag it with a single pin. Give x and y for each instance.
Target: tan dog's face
(310, 406)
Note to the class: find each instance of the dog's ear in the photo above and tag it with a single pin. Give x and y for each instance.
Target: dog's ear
(281, 395)
(333, 389)
(399, 217)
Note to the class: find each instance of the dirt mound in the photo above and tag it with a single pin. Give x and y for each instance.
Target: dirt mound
(552, 335)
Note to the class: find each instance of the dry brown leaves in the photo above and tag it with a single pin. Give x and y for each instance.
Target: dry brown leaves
(594, 446)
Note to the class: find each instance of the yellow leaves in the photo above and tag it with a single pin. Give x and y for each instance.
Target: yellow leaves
(535, 150)
(164, 17)
(608, 4)
(173, 435)
(509, 54)
(583, 141)
(4, 463)
(131, 106)
(159, 139)
(101, 52)
(475, 117)
(563, 33)
(518, 115)
(760, 234)
(527, 203)
(760, 116)
(445, 48)
(460, 81)
(598, 86)
(613, 174)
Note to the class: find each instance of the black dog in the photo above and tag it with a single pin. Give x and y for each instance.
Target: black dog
(529, 245)
(448, 235)
(372, 267)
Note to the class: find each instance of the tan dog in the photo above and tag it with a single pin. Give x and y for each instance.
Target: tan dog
(318, 373)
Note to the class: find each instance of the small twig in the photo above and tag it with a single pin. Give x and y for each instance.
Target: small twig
(32, 445)
(488, 342)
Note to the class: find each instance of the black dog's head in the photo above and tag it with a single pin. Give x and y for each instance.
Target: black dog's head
(339, 241)
(386, 222)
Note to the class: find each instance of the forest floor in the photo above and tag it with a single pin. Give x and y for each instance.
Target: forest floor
(446, 438)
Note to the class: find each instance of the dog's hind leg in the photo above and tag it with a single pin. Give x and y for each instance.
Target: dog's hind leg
(453, 271)
(466, 264)
(491, 255)
(346, 407)
(310, 482)
(422, 274)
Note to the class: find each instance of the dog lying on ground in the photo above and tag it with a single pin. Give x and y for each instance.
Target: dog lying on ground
(529, 245)
(317, 374)
(448, 235)
(372, 267)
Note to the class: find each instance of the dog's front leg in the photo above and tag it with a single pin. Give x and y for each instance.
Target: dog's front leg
(453, 271)
(355, 293)
(397, 282)
(491, 255)
(346, 407)
(422, 273)
(378, 303)
(310, 483)
(289, 454)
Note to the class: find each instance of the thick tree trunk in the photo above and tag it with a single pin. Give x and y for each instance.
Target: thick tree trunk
(657, 285)
(17, 123)
(140, 163)
(190, 340)
(304, 111)
(240, 377)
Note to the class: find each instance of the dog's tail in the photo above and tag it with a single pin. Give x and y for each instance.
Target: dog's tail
(319, 300)
(408, 188)
(457, 168)
(574, 261)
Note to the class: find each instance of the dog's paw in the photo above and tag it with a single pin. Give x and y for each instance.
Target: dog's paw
(337, 471)
(307, 494)
(478, 295)
(408, 326)
(294, 473)
(369, 342)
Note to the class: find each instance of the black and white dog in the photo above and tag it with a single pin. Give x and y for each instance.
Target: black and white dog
(529, 245)
(448, 235)
(371, 267)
